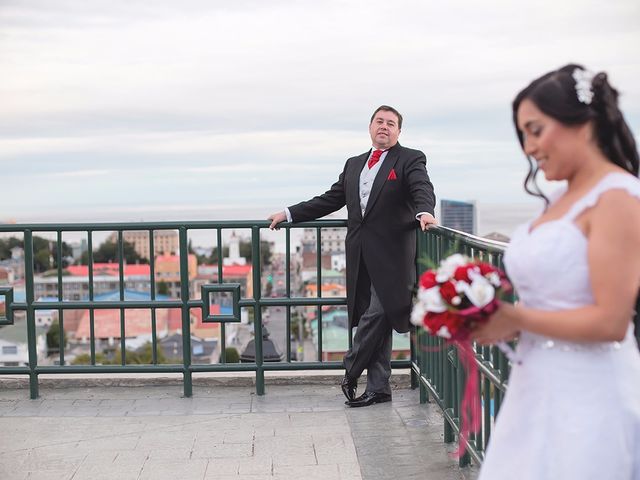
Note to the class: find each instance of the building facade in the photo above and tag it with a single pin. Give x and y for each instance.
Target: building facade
(165, 242)
(458, 215)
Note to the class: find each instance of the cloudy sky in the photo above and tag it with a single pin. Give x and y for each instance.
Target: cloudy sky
(164, 110)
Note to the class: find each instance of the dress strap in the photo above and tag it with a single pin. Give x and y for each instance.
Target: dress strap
(612, 181)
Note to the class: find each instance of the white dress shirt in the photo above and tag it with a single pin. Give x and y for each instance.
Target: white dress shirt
(367, 176)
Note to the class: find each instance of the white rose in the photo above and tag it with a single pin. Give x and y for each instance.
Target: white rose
(480, 292)
(494, 279)
(418, 313)
(449, 265)
(432, 300)
(443, 332)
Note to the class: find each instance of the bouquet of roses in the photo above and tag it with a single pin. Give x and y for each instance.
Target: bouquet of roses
(451, 301)
(460, 294)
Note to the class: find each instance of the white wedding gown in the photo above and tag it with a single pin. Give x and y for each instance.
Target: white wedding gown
(572, 410)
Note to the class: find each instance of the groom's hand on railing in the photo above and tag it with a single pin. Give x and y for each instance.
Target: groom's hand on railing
(276, 219)
(426, 220)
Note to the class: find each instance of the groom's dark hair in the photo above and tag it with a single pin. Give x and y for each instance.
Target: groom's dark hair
(387, 108)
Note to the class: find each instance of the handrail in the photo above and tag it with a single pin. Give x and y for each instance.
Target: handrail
(255, 302)
(435, 365)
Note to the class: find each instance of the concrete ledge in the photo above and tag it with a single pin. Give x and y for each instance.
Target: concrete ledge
(399, 380)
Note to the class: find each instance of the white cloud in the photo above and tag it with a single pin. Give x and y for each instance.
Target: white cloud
(110, 102)
(81, 173)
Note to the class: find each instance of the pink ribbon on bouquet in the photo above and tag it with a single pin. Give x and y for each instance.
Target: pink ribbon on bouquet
(469, 407)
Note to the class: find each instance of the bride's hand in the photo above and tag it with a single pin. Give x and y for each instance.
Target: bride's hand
(502, 325)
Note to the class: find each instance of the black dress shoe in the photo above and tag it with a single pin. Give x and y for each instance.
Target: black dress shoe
(349, 386)
(369, 398)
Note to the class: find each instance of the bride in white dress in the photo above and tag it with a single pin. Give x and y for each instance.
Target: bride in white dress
(572, 408)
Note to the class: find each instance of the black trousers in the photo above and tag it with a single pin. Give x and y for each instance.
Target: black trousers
(371, 349)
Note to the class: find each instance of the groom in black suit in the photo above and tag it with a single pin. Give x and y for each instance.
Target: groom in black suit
(387, 192)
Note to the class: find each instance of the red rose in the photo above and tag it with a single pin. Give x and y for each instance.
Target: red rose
(453, 323)
(486, 268)
(448, 292)
(462, 273)
(428, 279)
(435, 321)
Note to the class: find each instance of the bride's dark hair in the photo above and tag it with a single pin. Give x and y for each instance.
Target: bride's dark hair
(554, 94)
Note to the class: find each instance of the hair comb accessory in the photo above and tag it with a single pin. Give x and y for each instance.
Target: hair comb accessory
(583, 80)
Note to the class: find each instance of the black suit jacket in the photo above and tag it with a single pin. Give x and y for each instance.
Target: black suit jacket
(381, 244)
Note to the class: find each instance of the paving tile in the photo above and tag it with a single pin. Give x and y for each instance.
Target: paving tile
(222, 433)
(49, 474)
(308, 472)
(190, 469)
(349, 471)
(256, 465)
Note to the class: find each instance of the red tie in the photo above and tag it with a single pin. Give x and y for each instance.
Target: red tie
(375, 156)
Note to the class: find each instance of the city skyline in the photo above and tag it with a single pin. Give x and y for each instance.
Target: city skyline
(128, 111)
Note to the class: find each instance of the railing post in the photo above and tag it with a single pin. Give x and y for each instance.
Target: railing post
(186, 322)
(319, 289)
(423, 358)
(92, 330)
(61, 343)
(287, 279)
(461, 379)
(152, 293)
(31, 318)
(448, 394)
(257, 317)
(414, 336)
(223, 326)
(415, 358)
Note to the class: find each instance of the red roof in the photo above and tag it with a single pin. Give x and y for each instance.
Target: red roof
(138, 322)
(233, 270)
(107, 323)
(137, 269)
(168, 258)
(112, 269)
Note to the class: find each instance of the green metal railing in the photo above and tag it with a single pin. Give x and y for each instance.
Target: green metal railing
(435, 366)
(186, 302)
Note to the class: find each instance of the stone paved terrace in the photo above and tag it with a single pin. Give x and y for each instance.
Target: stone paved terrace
(224, 432)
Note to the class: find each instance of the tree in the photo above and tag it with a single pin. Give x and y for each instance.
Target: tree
(41, 261)
(45, 252)
(50, 247)
(245, 251)
(85, 359)
(213, 258)
(265, 251)
(162, 288)
(231, 355)
(143, 356)
(67, 252)
(108, 253)
(53, 338)
(7, 244)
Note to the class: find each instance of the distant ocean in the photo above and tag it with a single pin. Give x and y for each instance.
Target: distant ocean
(492, 217)
(504, 218)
